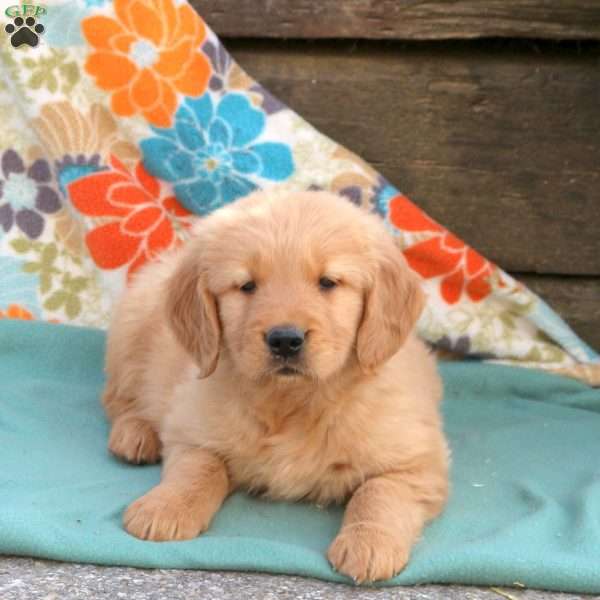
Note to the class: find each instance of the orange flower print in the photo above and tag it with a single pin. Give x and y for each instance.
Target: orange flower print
(14, 311)
(442, 255)
(139, 223)
(147, 55)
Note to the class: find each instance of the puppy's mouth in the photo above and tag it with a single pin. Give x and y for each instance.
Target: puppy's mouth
(288, 371)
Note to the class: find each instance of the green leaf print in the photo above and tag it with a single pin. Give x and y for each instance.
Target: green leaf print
(70, 72)
(32, 267)
(72, 306)
(56, 300)
(64, 284)
(36, 80)
(52, 83)
(45, 283)
(21, 245)
(49, 255)
(78, 284)
(52, 72)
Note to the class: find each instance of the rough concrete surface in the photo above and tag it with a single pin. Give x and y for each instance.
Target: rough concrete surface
(30, 579)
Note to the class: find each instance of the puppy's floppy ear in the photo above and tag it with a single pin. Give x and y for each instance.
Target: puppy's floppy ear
(392, 307)
(192, 314)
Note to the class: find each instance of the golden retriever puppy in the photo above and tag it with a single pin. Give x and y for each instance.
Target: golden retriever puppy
(274, 353)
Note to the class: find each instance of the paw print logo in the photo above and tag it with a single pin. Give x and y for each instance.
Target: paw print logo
(24, 31)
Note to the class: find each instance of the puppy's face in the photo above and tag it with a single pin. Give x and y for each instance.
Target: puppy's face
(290, 307)
(294, 287)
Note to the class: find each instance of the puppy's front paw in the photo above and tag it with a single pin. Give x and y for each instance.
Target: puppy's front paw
(134, 440)
(367, 554)
(162, 516)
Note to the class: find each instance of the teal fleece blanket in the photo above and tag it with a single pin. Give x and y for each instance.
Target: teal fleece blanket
(525, 504)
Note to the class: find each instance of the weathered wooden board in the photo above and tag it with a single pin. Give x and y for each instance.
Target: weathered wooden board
(502, 145)
(403, 19)
(577, 300)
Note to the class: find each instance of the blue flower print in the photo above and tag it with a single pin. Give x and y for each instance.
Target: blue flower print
(63, 22)
(210, 155)
(384, 192)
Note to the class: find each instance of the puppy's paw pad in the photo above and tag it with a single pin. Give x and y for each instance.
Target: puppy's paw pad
(368, 554)
(134, 440)
(162, 517)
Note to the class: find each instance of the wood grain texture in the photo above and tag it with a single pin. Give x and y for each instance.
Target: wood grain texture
(500, 145)
(576, 299)
(403, 19)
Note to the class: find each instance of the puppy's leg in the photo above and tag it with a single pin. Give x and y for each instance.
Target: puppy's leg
(114, 400)
(193, 486)
(132, 438)
(382, 521)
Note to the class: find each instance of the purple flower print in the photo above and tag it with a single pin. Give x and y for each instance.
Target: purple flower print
(25, 195)
(462, 346)
(222, 63)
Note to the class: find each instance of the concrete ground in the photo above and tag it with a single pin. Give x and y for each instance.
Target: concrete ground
(30, 579)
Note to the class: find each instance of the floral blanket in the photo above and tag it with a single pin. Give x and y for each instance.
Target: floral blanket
(123, 122)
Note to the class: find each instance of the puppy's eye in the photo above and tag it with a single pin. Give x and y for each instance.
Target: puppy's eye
(326, 284)
(248, 287)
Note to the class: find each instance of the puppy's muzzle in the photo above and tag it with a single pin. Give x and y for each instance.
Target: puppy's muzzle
(285, 341)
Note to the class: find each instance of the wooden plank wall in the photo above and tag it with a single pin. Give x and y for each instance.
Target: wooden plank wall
(403, 19)
(497, 139)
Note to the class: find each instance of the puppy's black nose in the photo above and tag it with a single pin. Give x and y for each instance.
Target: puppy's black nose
(285, 341)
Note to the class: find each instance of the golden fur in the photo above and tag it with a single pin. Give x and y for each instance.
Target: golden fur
(191, 379)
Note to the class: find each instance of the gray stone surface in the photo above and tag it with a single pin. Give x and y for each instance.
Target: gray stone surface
(30, 579)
